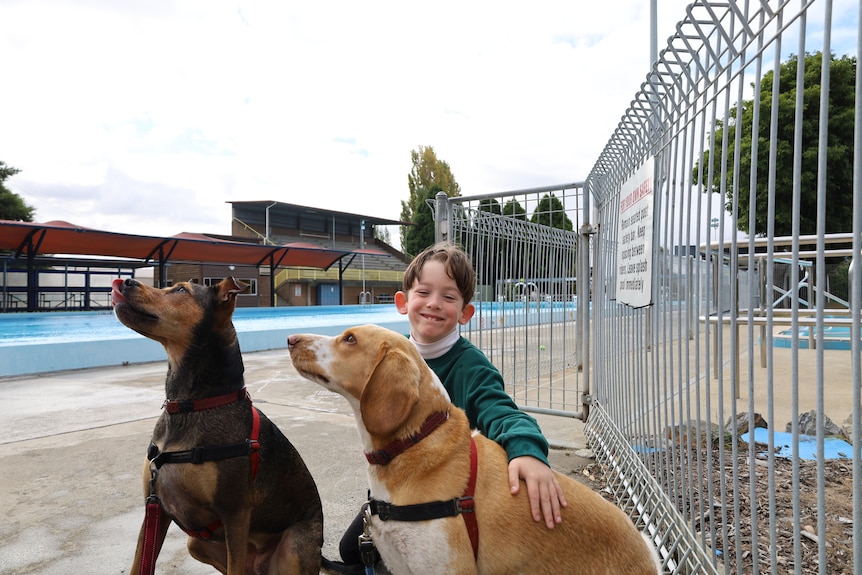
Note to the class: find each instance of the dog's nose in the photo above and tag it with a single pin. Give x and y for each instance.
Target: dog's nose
(292, 340)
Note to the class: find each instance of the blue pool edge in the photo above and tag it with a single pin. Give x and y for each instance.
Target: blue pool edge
(36, 358)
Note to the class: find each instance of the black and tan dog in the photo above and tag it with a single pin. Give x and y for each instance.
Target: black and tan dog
(216, 465)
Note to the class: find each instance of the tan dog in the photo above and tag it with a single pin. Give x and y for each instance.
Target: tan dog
(394, 395)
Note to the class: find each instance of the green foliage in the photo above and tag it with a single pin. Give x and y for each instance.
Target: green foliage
(382, 233)
(428, 176)
(513, 208)
(421, 235)
(491, 206)
(839, 180)
(551, 212)
(12, 206)
(839, 279)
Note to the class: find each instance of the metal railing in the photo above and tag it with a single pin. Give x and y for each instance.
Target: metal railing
(315, 274)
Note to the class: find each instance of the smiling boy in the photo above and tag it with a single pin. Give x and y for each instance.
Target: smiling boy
(437, 289)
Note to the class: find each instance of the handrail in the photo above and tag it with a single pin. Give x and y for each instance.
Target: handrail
(313, 274)
(254, 231)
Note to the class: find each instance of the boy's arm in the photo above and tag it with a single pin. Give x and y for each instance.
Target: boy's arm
(493, 412)
(499, 418)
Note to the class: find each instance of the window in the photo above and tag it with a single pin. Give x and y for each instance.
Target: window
(252, 283)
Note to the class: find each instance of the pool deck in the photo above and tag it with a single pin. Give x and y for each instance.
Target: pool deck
(72, 444)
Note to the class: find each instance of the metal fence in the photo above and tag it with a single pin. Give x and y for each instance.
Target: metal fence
(718, 371)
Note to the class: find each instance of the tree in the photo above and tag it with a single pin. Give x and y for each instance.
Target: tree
(12, 206)
(427, 176)
(551, 212)
(839, 183)
(491, 206)
(420, 235)
(514, 209)
(486, 249)
(548, 261)
(382, 233)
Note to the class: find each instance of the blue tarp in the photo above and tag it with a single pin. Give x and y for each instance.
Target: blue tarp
(833, 447)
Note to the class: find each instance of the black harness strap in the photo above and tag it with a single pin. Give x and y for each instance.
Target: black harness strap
(421, 511)
(200, 454)
(438, 509)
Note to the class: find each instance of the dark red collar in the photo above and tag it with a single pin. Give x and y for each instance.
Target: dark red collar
(388, 453)
(189, 405)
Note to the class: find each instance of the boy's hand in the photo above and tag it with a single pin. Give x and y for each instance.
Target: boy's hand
(543, 489)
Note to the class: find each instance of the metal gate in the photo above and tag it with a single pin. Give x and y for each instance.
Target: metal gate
(718, 370)
(524, 246)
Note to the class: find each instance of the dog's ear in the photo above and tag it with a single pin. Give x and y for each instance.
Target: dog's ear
(229, 287)
(390, 392)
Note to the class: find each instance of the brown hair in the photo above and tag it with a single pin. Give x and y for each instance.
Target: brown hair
(456, 262)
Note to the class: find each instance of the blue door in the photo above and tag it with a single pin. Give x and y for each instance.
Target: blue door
(327, 294)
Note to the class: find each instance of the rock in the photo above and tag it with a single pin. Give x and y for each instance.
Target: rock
(808, 426)
(743, 425)
(689, 433)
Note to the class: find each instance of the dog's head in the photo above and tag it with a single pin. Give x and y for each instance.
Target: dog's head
(176, 315)
(376, 368)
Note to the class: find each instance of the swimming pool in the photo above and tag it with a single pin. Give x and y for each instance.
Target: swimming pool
(499, 314)
(834, 337)
(52, 341)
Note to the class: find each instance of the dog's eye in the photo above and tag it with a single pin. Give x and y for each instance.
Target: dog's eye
(349, 338)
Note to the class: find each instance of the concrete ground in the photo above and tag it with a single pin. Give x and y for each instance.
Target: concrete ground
(72, 445)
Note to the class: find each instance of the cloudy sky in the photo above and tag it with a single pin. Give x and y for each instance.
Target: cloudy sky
(147, 116)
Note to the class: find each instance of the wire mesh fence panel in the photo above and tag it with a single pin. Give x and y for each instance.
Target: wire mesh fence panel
(725, 378)
(524, 247)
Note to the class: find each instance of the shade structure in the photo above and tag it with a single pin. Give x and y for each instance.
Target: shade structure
(28, 239)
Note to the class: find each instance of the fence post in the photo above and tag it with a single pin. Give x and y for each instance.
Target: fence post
(585, 297)
(443, 223)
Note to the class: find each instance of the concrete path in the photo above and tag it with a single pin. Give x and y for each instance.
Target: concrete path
(72, 445)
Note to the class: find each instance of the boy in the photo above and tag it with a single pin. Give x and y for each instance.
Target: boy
(437, 289)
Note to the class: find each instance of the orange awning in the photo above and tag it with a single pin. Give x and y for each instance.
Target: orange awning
(59, 237)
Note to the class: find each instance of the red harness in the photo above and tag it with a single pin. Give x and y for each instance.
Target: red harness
(198, 454)
(464, 506)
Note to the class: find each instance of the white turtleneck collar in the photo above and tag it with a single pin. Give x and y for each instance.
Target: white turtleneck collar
(439, 347)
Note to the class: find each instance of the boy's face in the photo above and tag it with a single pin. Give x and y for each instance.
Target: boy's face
(433, 305)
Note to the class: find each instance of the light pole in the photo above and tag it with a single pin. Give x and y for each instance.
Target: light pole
(266, 237)
(362, 257)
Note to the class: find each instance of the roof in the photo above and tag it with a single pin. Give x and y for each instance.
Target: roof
(284, 210)
(59, 237)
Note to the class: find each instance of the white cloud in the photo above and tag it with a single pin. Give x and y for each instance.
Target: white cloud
(146, 117)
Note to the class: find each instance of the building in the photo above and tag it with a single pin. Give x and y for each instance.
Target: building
(288, 254)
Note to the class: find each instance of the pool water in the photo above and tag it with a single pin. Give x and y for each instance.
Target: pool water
(522, 313)
(53, 341)
(834, 337)
(54, 327)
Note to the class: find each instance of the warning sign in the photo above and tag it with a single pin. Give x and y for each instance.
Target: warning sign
(634, 239)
